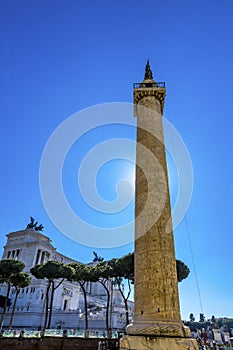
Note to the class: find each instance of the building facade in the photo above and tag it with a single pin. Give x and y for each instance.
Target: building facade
(32, 248)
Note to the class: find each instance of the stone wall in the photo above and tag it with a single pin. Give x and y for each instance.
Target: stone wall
(54, 343)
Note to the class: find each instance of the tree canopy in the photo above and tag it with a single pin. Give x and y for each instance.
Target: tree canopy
(55, 272)
(19, 280)
(103, 272)
(52, 270)
(82, 274)
(8, 268)
(182, 270)
(124, 267)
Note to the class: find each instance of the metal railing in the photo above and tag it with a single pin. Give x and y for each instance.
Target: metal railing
(149, 85)
(17, 333)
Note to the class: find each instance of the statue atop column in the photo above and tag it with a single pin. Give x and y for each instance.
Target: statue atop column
(148, 71)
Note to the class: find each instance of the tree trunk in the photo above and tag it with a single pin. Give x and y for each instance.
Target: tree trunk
(85, 307)
(5, 304)
(46, 305)
(126, 311)
(51, 300)
(107, 312)
(51, 305)
(125, 299)
(13, 309)
(107, 306)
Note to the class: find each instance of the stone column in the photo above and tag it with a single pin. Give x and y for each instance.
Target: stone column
(42, 257)
(156, 310)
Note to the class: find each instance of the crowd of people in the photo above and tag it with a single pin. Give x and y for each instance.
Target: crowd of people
(213, 338)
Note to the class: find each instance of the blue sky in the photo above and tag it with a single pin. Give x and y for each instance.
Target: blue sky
(58, 57)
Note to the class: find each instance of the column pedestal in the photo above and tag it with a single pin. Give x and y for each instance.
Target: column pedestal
(138, 342)
(159, 328)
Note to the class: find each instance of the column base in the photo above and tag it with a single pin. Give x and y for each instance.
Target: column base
(138, 342)
(161, 328)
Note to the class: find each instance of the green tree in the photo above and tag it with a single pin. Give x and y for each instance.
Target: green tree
(55, 272)
(202, 318)
(104, 273)
(192, 318)
(182, 270)
(225, 321)
(8, 268)
(123, 269)
(82, 274)
(19, 280)
(197, 325)
(37, 272)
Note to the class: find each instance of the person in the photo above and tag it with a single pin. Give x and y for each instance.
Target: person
(21, 334)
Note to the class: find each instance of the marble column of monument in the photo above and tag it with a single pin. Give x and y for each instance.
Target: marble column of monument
(157, 309)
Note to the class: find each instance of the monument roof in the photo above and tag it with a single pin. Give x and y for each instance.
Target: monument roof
(30, 232)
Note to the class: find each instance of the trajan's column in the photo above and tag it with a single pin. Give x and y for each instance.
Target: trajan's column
(157, 323)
